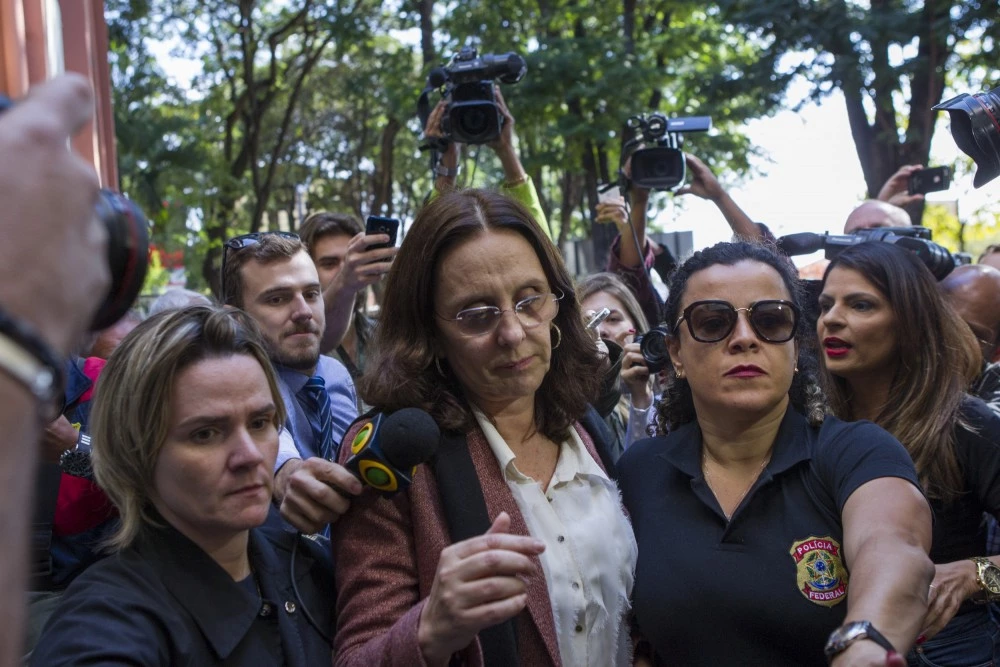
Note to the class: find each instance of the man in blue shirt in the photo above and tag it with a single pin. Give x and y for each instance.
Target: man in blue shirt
(272, 277)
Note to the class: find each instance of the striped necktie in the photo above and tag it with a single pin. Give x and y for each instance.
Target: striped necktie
(316, 402)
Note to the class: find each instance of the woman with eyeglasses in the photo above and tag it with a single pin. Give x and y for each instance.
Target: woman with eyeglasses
(768, 533)
(897, 354)
(511, 547)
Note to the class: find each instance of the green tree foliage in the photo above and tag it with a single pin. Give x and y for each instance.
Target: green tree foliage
(160, 152)
(892, 59)
(301, 105)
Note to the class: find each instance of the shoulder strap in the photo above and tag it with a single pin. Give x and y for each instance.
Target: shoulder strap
(602, 436)
(465, 512)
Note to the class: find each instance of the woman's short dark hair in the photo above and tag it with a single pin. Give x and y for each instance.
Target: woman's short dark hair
(677, 406)
(402, 372)
(937, 358)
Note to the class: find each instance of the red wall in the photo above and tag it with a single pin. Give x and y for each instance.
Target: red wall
(25, 26)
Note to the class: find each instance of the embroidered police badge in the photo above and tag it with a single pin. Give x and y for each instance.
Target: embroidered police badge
(820, 571)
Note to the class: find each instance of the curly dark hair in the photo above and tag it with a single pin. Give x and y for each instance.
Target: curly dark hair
(677, 405)
(402, 372)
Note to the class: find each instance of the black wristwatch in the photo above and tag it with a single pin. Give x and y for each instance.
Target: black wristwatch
(847, 634)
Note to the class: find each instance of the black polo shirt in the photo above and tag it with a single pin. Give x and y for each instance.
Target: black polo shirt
(768, 587)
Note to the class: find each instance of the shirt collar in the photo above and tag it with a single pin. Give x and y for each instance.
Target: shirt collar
(223, 610)
(791, 445)
(574, 460)
(295, 380)
(501, 450)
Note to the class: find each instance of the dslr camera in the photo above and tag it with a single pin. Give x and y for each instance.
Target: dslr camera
(661, 165)
(975, 126)
(653, 346)
(473, 116)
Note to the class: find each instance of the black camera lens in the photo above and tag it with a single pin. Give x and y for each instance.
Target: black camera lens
(975, 125)
(128, 255)
(653, 347)
(658, 168)
(475, 122)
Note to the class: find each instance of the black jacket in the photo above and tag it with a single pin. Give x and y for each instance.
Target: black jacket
(165, 602)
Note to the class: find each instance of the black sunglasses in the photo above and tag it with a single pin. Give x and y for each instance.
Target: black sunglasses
(773, 320)
(245, 241)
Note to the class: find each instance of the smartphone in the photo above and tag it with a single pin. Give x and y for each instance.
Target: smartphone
(596, 320)
(378, 225)
(930, 180)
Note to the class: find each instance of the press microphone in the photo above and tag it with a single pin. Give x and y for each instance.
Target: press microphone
(387, 450)
(803, 243)
(437, 77)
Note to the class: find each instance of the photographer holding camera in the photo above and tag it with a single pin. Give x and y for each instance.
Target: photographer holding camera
(516, 182)
(54, 275)
(472, 110)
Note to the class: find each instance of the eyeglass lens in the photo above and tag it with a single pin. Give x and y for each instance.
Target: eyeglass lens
(531, 312)
(773, 321)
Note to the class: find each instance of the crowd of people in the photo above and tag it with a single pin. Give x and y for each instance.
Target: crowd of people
(802, 480)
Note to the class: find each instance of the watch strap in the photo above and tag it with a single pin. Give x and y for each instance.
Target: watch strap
(844, 636)
(27, 358)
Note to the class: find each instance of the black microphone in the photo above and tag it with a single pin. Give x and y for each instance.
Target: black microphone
(387, 450)
(437, 77)
(802, 243)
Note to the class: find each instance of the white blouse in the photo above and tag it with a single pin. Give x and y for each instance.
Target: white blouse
(590, 550)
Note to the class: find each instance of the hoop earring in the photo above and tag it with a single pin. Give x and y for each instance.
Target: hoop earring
(437, 365)
(796, 368)
(555, 327)
(679, 373)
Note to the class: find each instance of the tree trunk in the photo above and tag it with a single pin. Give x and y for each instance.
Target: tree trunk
(382, 205)
(426, 9)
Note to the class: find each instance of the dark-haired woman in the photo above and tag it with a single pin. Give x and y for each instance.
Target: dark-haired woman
(512, 548)
(766, 532)
(897, 354)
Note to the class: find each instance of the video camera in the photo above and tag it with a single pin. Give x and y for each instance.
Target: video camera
(128, 250)
(935, 257)
(975, 125)
(660, 166)
(473, 116)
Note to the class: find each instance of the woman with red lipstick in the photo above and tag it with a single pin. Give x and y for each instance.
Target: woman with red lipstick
(511, 547)
(769, 533)
(897, 354)
(185, 432)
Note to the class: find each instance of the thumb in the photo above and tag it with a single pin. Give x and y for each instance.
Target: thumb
(501, 524)
(686, 190)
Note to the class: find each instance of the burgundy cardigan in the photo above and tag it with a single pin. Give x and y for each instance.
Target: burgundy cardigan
(386, 553)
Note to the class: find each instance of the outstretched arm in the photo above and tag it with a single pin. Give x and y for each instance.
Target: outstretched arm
(897, 189)
(516, 181)
(887, 534)
(704, 184)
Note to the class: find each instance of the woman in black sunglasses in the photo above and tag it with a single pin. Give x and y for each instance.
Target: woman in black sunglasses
(896, 353)
(750, 512)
